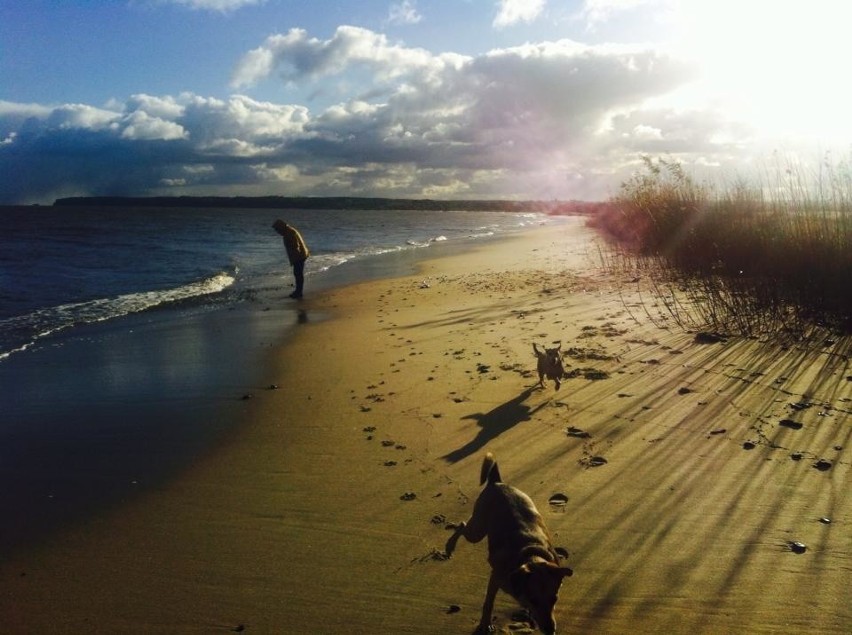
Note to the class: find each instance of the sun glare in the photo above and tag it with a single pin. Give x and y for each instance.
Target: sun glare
(778, 65)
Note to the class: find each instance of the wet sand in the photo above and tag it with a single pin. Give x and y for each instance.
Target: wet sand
(704, 484)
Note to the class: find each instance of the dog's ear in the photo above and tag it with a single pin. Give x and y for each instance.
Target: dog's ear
(555, 569)
(535, 349)
(558, 347)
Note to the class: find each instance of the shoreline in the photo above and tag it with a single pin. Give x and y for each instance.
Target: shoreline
(99, 413)
(303, 519)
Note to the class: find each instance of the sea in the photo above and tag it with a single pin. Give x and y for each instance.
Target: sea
(130, 338)
(61, 268)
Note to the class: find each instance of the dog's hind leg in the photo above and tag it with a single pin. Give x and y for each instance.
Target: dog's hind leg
(473, 531)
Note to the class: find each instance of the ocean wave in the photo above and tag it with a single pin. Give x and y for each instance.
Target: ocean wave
(482, 234)
(26, 330)
(323, 262)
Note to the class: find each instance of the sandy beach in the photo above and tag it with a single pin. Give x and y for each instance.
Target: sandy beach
(691, 471)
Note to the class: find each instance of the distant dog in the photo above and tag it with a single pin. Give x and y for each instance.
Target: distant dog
(523, 561)
(549, 365)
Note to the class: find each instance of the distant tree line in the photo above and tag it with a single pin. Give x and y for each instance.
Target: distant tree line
(333, 202)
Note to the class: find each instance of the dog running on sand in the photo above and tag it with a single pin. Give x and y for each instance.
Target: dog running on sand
(523, 562)
(549, 365)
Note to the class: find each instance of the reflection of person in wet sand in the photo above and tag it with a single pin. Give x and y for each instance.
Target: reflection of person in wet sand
(297, 253)
(494, 423)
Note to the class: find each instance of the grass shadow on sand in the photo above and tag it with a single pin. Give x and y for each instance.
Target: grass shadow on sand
(719, 516)
(494, 423)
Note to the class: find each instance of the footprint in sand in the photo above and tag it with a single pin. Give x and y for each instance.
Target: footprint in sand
(522, 622)
(577, 433)
(558, 500)
(589, 460)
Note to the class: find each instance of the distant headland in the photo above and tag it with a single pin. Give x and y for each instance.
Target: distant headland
(333, 202)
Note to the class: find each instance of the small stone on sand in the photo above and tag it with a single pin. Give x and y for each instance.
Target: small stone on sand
(822, 465)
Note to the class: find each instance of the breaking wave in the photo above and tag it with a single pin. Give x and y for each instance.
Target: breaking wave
(21, 332)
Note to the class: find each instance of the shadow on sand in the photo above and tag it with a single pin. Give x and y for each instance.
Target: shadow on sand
(494, 423)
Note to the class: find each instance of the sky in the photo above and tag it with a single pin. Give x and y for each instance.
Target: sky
(443, 99)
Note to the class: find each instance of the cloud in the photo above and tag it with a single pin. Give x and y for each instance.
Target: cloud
(404, 12)
(295, 56)
(597, 11)
(548, 120)
(142, 126)
(514, 11)
(209, 122)
(163, 107)
(71, 116)
(223, 6)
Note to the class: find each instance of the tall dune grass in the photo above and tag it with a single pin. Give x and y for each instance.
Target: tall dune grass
(745, 257)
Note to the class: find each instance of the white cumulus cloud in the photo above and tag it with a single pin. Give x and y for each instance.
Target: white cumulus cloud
(223, 6)
(513, 11)
(140, 125)
(404, 12)
(295, 56)
(557, 119)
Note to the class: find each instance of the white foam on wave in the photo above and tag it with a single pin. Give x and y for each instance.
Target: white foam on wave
(50, 320)
(323, 262)
(320, 263)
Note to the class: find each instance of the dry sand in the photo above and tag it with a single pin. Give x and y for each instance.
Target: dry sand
(326, 512)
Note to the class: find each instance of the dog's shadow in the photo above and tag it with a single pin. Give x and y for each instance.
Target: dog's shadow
(494, 423)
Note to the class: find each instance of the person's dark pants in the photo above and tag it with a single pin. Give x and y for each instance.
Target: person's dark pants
(299, 275)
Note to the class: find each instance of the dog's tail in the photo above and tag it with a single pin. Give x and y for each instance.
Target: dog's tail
(489, 470)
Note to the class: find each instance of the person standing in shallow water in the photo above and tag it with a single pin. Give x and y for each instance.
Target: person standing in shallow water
(297, 253)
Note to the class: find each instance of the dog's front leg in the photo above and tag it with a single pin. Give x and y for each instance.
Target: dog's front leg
(450, 547)
(488, 605)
